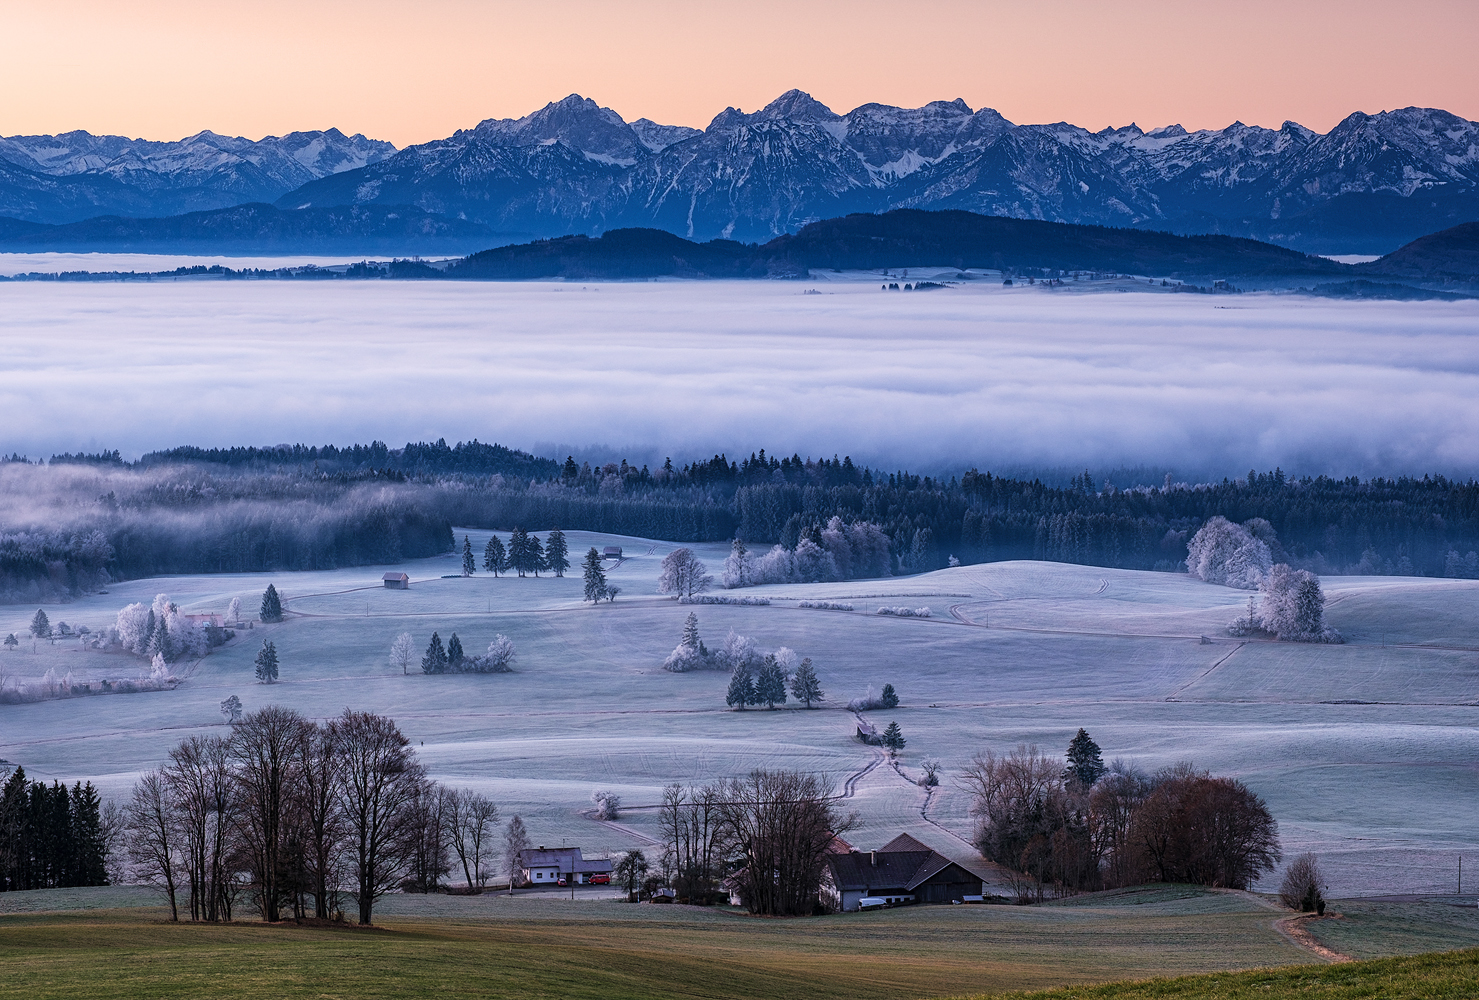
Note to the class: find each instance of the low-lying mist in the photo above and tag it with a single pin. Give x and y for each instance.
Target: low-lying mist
(985, 376)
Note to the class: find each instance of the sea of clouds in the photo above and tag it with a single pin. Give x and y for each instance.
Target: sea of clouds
(982, 375)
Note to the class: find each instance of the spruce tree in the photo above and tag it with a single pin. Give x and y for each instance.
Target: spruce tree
(557, 552)
(11, 642)
(267, 663)
(770, 689)
(690, 631)
(804, 686)
(889, 697)
(518, 551)
(741, 688)
(435, 660)
(89, 850)
(893, 738)
(455, 656)
(41, 625)
(570, 470)
(595, 577)
(469, 566)
(536, 555)
(271, 605)
(495, 559)
(1085, 763)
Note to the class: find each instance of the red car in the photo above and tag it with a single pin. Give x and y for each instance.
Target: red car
(600, 880)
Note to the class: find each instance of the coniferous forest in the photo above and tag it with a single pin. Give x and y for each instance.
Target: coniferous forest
(78, 521)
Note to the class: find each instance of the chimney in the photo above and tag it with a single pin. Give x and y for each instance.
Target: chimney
(874, 857)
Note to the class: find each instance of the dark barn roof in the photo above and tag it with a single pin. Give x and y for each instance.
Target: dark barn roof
(903, 863)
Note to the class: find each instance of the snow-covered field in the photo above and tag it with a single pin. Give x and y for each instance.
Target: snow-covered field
(1026, 377)
(1366, 752)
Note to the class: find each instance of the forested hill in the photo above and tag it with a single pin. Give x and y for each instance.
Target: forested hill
(1452, 253)
(899, 239)
(94, 518)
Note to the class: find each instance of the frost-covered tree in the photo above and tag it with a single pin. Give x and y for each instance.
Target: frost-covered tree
(690, 653)
(805, 687)
(434, 661)
(515, 843)
(231, 709)
(40, 625)
(233, 610)
(683, 574)
(498, 659)
(1085, 762)
(595, 577)
(1229, 554)
(455, 655)
(690, 631)
(889, 698)
(267, 663)
(557, 552)
(739, 566)
(403, 652)
(495, 559)
(469, 565)
(1292, 606)
(931, 767)
(271, 610)
(741, 688)
(770, 686)
(608, 805)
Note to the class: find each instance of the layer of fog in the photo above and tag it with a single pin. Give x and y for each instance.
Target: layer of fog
(975, 375)
(57, 262)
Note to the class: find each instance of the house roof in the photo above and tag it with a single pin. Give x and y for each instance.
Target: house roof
(565, 859)
(395, 576)
(903, 863)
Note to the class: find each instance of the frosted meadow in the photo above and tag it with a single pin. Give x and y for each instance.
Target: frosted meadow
(1207, 385)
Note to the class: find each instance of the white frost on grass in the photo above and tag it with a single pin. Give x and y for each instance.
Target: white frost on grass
(692, 368)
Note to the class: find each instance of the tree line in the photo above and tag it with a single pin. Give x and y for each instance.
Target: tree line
(290, 817)
(53, 837)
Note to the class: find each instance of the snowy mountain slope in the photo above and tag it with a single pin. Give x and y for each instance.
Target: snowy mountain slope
(91, 174)
(1372, 183)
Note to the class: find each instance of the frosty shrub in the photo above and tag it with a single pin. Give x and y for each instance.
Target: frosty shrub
(1229, 554)
(756, 602)
(866, 703)
(824, 606)
(685, 658)
(845, 552)
(608, 805)
(499, 658)
(906, 612)
(1303, 884)
(1293, 606)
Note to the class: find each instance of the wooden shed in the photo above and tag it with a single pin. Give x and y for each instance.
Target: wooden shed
(397, 581)
(612, 552)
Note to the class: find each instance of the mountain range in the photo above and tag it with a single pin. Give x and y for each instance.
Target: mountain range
(1371, 184)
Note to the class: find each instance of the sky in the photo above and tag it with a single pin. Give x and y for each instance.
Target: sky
(411, 72)
(1000, 378)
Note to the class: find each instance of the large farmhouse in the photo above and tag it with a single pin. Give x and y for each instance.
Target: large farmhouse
(542, 866)
(903, 871)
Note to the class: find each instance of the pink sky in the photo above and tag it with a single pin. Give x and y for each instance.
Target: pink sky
(409, 72)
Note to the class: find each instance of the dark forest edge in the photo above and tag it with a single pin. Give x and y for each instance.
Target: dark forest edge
(82, 520)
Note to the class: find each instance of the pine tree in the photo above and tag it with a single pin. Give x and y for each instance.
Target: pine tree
(595, 577)
(893, 738)
(556, 552)
(536, 555)
(770, 689)
(690, 631)
(469, 566)
(804, 686)
(271, 605)
(518, 550)
(1085, 762)
(495, 559)
(89, 854)
(570, 470)
(41, 625)
(11, 642)
(455, 656)
(741, 688)
(435, 660)
(889, 697)
(267, 663)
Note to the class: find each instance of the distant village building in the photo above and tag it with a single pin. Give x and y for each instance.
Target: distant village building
(868, 733)
(902, 871)
(396, 581)
(203, 619)
(546, 866)
(612, 552)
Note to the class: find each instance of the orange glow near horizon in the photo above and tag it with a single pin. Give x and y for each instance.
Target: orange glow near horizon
(163, 69)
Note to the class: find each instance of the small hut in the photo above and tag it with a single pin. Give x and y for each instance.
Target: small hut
(612, 552)
(397, 581)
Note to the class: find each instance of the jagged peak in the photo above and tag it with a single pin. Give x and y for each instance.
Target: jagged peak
(797, 106)
(1166, 132)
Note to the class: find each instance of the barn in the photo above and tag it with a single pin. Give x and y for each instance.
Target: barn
(396, 581)
(904, 870)
(612, 552)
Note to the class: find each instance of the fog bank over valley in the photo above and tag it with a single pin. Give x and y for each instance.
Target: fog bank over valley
(979, 375)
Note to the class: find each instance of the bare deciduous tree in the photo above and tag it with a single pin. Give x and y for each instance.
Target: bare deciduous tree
(470, 818)
(378, 776)
(683, 574)
(264, 751)
(153, 849)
